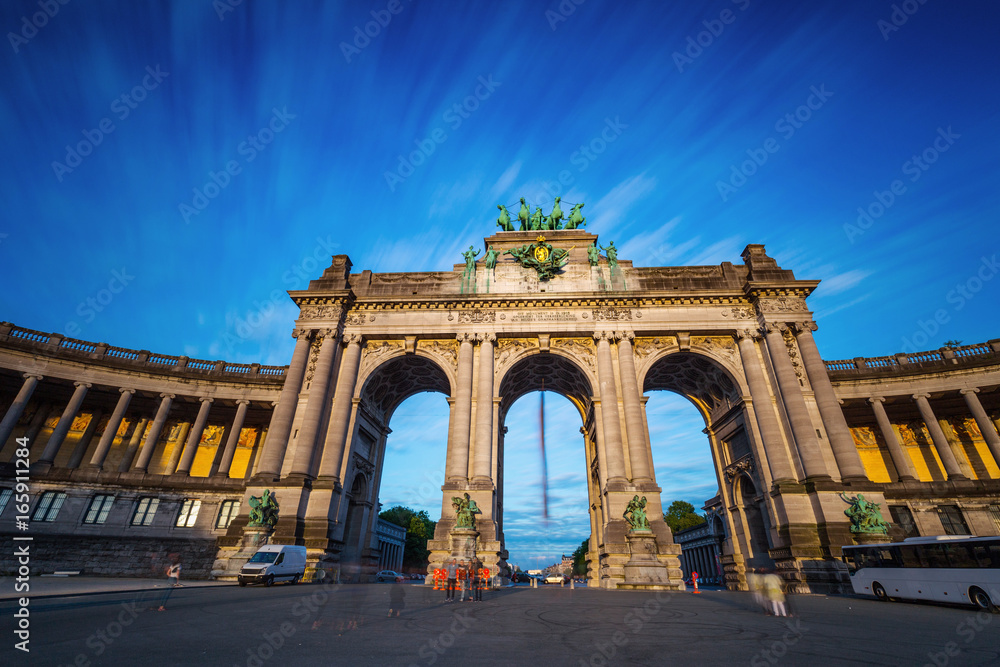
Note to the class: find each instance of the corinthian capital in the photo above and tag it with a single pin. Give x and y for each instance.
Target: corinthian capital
(748, 334)
(807, 325)
(349, 338)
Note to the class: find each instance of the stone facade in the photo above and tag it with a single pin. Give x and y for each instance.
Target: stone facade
(788, 432)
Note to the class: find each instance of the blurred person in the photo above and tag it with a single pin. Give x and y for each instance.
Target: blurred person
(464, 579)
(173, 580)
(774, 593)
(397, 597)
(756, 588)
(452, 570)
(477, 581)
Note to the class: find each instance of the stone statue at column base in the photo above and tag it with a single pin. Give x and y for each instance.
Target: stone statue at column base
(644, 569)
(871, 538)
(463, 543)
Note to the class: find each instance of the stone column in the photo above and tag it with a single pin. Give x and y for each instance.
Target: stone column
(65, 422)
(146, 453)
(900, 459)
(841, 440)
(986, 426)
(609, 408)
(305, 450)
(795, 404)
(767, 422)
(183, 429)
(631, 399)
(17, 407)
(88, 434)
(458, 459)
(343, 402)
(258, 442)
(281, 419)
(108, 437)
(194, 438)
(937, 435)
(234, 437)
(482, 465)
(38, 421)
(133, 445)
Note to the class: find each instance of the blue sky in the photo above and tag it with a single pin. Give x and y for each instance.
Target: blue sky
(277, 124)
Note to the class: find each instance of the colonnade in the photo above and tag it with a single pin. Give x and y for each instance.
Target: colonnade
(391, 555)
(702, 559)
(939, 441)
(139, 450)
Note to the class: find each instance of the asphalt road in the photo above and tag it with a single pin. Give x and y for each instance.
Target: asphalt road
(544, 627)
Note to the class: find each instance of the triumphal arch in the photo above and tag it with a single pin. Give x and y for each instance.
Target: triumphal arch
(547, 310)
(135, 455)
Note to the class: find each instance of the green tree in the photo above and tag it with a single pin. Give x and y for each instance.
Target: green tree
(419, 529)
(681, 515)
(580, 559)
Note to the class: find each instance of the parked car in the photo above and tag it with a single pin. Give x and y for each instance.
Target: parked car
(388, 575)
(274, 561)
(555, 579)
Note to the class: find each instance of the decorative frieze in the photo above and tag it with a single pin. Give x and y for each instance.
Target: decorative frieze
(644, 347)
(512, 347)
(476, 316)
(742, 465)
(718, 346)
(782, 305)
(611, 314)
(376, 351)
(328, 312)
(582, 349)
(447, 350)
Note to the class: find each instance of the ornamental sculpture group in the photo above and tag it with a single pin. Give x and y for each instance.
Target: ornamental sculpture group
(263, 510)
(466, 510)
(540, 256)
(635, 514)
(865, 516)
(537, 221)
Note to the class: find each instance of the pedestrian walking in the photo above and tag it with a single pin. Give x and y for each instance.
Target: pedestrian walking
(464, 580)
(452, 569)
(774, 594)
(397, 598)
(173, 579)
(756, 589)
(477, 580)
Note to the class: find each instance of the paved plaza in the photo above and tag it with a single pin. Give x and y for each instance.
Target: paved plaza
(317, 624)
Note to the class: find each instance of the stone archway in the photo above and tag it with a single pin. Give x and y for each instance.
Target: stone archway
(705, 379)
(560, 374)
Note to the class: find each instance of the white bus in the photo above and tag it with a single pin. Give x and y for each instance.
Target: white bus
(946, 568)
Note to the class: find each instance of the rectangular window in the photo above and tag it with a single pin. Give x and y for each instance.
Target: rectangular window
(934, 556)
(227, 513)
(5, 495)
(189, 513)
(952, 520)
(959, 555)
(100, 505)
(994, 513)
(903, 517)
(48, 506)
(909, 556)
(145, 511)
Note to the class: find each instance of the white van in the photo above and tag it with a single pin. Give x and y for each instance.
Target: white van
(273, 562)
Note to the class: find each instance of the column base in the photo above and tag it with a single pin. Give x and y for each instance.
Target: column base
(855, 479)
(40, 467)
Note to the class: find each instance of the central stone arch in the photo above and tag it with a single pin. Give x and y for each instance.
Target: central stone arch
(734, 339)
(537, 371)
(706, 377)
